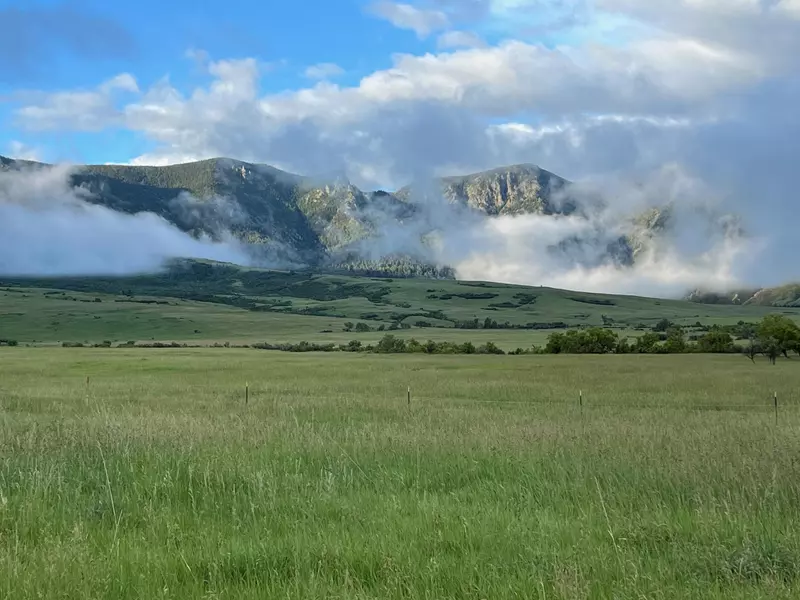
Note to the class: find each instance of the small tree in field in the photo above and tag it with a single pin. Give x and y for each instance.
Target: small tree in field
(778, 331)
(718, 342)
(751, 351)
(676, 342)
(773, 351)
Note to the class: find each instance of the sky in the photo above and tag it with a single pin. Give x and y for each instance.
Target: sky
(386, 92)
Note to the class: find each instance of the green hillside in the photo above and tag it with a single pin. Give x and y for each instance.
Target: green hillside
(204, 301)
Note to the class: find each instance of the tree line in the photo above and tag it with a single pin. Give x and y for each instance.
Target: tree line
(397, 267)
(774, 336)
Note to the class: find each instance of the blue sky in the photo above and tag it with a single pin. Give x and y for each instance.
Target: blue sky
(288, 36)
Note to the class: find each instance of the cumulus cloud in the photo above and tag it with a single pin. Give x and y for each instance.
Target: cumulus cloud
(48, 227)
(324, 71)
(407, 16)
(88, 110)
(459, 39)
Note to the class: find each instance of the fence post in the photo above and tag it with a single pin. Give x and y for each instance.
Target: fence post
(776, 407)
(246, 393)
(580, 400)
(409, 395)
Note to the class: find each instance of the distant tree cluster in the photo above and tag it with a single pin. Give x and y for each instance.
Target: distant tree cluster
(489, 323)
(388, 344)
(401, 268)
(358, 327)
(774, 336)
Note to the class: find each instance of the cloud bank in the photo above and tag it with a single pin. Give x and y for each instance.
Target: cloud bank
(49, 228)
(700, 245)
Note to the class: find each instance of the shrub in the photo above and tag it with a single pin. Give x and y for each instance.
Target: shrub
(489, 348)
(646, 344)
(390, 344)
(675, 342)
(467, 348)
(585, 341)
(716, 342)
(663, 325)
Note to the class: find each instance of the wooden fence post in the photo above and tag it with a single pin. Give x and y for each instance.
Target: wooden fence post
(776, 407)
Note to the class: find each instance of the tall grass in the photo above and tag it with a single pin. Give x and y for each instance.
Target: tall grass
(157, 482)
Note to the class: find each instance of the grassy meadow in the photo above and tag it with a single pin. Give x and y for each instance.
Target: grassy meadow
(155, 480)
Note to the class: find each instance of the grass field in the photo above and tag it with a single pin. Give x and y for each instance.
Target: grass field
(156, 481)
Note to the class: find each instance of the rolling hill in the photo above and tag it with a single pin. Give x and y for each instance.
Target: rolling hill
(206, 301)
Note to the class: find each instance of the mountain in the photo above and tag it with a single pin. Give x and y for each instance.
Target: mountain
(512, 190)
(781, 296)
(293, 220)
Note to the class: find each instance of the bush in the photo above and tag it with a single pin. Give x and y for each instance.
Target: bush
(717, 342)
(352, 346)
(390, 344)
(585, 341)
(675, 342)
(663, 325)
(10, 343)
(489, 348)
(646, 344)
(623, 347)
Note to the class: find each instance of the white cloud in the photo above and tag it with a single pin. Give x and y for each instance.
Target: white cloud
(83, 110)
(49, 228)
(18, 150)
(324, 71)
(406, 16)
(459, 39)
(651, 76)
(789, 8)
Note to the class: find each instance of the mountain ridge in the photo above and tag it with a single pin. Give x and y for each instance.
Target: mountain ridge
(295, 220)
(782, 296)
(310, 216)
